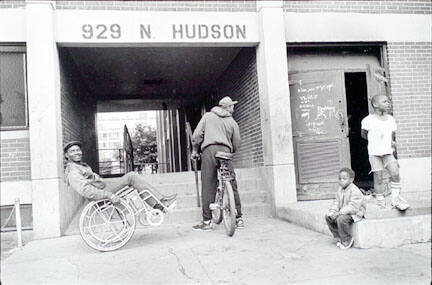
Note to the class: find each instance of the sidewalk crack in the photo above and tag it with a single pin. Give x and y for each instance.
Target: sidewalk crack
(179, 264)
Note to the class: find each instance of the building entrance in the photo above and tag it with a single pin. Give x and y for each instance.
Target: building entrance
(330, 87)
(174, 82)
(357, 109)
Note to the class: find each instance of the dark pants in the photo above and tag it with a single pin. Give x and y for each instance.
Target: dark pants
(340, 227)
(131, 179)
(209, 179)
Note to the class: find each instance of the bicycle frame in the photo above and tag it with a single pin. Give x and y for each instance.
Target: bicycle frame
(223, 174)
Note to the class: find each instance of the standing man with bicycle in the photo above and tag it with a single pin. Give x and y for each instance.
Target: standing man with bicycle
(216, 131)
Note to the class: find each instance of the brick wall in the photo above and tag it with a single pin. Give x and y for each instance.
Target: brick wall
(12, 3)
(205, 5)
(78, 110)
(410, 75)
(240, 82)
(15, 159)
(374, 6)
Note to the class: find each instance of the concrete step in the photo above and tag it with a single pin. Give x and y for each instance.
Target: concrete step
(380, 228)
(190, 201)
(189, 188)
(189, 176)
(184, 215)
(190, 215)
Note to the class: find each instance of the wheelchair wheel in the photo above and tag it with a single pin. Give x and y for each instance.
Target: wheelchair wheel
(217, 213)
(229, 210)
(105, 226)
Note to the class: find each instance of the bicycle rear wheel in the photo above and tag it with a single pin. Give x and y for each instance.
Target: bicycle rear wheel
(105, 226)
(229, 210)
(217, 213)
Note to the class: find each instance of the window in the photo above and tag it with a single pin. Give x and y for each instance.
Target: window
(13, 91)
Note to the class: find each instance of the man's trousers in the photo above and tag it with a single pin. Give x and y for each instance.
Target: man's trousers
(209, 166)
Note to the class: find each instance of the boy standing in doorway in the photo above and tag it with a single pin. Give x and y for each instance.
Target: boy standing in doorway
(379, 130)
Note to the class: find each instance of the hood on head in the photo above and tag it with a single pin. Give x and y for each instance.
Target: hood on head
(221, 112)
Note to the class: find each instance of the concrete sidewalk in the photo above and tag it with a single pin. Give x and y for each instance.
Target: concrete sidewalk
(267, 251)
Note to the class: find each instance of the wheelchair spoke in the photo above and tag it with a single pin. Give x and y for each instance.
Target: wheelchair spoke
(105, 226)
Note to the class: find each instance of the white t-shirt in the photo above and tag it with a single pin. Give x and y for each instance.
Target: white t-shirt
(379, 133)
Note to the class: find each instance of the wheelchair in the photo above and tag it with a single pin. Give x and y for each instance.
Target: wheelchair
(105, 226)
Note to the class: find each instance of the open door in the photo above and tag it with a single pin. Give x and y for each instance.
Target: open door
(320, 131)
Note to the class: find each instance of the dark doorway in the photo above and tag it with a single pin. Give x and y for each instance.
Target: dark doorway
(357, 109)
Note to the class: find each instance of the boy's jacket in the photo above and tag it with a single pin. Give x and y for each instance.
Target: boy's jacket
(349, 201)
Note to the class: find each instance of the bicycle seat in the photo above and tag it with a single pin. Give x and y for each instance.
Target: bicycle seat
(224, 155)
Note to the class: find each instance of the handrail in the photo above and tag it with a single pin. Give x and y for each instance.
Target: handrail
(194, 161)
(18, 222)
(189, 144)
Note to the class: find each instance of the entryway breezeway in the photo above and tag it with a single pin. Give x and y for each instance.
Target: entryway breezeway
(177, 81)
(179, 84)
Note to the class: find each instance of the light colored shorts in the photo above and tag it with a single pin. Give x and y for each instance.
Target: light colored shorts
(379, 162)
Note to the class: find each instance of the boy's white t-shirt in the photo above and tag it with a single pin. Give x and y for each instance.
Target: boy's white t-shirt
(379, 134)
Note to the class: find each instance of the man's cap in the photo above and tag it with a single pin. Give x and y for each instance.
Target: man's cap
(226, 101)
(70, 144)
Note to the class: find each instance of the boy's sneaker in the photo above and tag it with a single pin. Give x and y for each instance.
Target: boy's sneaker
(381, 202)
(346, 244)
(203, 226)
(400, 203)
(239, 223)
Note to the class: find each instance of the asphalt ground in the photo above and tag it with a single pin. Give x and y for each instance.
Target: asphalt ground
(266, 251)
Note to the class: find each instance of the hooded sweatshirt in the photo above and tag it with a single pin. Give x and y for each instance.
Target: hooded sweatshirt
(217, 127)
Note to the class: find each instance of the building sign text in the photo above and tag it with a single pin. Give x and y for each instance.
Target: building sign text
(177, 31)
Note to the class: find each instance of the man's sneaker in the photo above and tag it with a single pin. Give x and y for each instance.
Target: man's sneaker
(203, 226)
(239, 223)
(169, 197)
(346, 244)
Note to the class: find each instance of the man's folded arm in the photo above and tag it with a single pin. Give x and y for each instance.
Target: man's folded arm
(85, 188)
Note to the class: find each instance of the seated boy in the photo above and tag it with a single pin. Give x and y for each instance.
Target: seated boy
(347, 208)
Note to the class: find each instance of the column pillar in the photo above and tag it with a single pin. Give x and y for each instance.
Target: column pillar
(43, 83)
(272, 67)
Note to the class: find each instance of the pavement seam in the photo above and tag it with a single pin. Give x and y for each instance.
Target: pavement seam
(203, 267)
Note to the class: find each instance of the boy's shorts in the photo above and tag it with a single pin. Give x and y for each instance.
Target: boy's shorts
(379, 162)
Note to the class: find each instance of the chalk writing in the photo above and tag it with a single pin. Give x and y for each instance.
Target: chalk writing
(325, 87)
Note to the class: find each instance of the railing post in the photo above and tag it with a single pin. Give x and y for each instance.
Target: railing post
(18, 222)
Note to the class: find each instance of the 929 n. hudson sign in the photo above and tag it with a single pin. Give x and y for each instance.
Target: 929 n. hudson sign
(158, 27)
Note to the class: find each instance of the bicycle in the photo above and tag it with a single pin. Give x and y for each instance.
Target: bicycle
(105, 226)
(224, 206)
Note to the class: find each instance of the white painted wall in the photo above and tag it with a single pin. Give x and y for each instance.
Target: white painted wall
(12, 25)
(356, 27)
(415, 174)
(44, 118)
(272, 69)
(11, 190)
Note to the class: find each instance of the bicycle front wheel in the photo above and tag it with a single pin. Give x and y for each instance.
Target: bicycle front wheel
(229, 210)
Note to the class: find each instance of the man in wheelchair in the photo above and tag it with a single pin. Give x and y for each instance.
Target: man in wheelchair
(81, 178)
